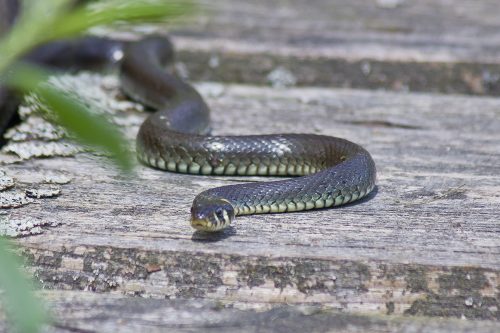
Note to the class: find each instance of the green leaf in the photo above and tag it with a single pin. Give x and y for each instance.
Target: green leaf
(44, 21)
(27, 312)
(114, 11)
(31, 28)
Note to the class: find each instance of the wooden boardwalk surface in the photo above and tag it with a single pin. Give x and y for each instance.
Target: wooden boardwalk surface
(425, 245)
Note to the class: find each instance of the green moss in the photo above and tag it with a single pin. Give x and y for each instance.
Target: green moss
(459, 77)
(194, 275)
(463, 279)
(307, 275)
(415, 276)
(459, 294)
(416, 279)
(476, 307)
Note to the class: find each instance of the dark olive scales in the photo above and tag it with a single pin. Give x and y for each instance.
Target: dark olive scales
(334, 171)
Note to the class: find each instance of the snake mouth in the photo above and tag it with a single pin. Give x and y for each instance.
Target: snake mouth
(206, 225)
(202, 225)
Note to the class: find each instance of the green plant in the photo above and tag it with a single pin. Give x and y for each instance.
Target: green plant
(26, 311)
(42, 21)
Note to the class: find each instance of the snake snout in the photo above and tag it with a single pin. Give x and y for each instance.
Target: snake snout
(211, 214)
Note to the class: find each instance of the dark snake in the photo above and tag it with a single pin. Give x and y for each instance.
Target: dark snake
(328, 171)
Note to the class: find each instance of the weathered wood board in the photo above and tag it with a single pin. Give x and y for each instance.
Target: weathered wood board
(427, 243)
(403, 45)
(91, 312)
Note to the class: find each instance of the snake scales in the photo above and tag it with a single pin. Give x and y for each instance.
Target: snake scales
(332, 171)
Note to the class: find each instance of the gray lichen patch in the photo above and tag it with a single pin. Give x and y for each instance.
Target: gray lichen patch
(35, 128)
(56, 178)
(280, 77)
(38, 135)
(23, 227)
(211, 89)
(13, 199)
(30, 149)
(43, 191)
(6, 182)
(182, 70)
(101, 94)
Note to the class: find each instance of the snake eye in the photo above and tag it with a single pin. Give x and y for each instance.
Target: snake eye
(220, 213)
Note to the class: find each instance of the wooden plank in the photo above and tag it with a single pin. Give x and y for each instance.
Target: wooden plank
(91, 312)
(425, 244)
(437, 46)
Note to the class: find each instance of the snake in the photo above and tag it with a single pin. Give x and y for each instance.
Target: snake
(321, 171)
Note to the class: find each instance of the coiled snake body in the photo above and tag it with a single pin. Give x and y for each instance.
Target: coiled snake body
(333, 171)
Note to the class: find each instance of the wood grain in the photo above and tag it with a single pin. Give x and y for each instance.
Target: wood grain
(425, 244)
(437, 46)
(91, 312)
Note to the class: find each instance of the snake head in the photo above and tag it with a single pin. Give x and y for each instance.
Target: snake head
(211, 214)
